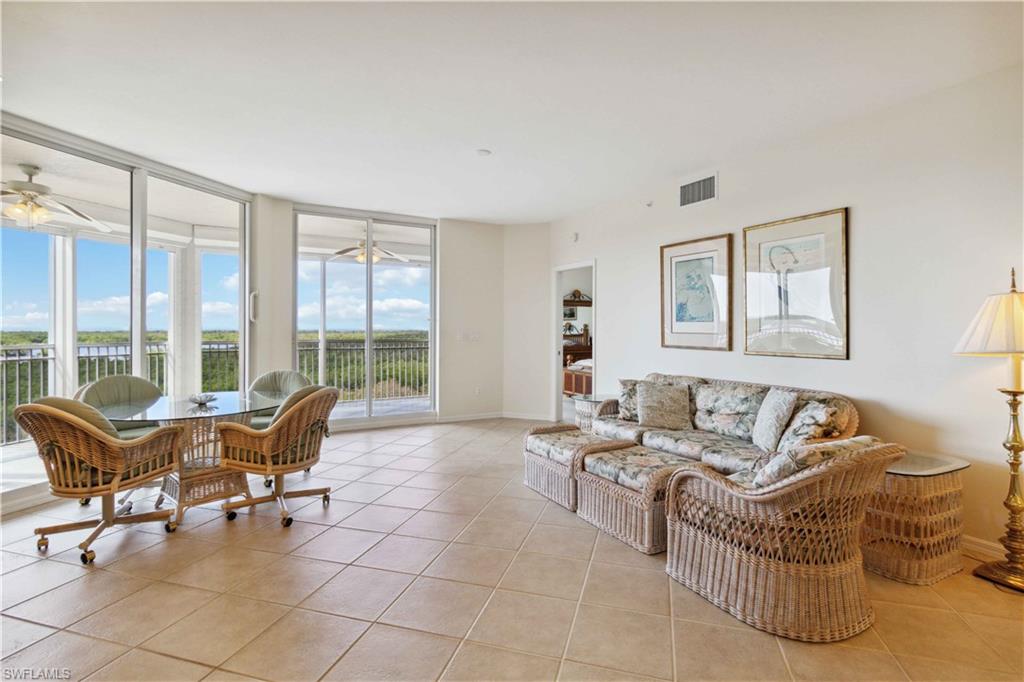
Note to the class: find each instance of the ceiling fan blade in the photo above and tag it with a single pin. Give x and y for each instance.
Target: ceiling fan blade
(345, 252)
(390, 254)
(50, 202)
(9, 193)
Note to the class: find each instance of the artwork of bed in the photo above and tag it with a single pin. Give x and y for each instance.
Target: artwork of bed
(696, 293)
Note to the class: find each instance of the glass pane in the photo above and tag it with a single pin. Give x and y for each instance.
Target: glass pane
(401, 319)
(199, 235)
(342, 336)
(104, 314)
(158, 307)
(307, 311)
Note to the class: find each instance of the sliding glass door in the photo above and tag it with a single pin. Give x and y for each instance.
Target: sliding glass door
(363, 312)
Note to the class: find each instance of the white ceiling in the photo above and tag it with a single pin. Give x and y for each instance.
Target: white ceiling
(382, 106)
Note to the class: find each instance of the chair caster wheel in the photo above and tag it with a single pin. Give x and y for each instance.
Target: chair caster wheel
(128, 508)
(286, 521)
(267, 483)
(43, 544)
(232, 515)
(88, 556)
(170, 526)
(327, 499)
(84, 501)
(307, 469)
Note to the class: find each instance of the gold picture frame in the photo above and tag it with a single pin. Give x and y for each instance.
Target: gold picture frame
(796, 287)
(696, 293)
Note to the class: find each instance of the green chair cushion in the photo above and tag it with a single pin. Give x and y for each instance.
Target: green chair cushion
(115, 390)
(280, 381)
(293, 400)
(136, 432)
(86, 413)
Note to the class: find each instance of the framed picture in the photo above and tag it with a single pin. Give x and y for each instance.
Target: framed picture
(696, 293)
(568, 313)
(795, 287)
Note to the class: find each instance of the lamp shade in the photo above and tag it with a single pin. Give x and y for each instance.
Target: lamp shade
(997, 329)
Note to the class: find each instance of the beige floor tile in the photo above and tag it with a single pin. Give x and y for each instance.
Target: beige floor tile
(475, 662)
(373, 460)
(387, 653)
(626, 587)
(160, 560)
(275, 538)
(932, 670)
(221, 531)
(288, 580)
(336, 512)
(454, 503)
(300, 646)
(11, 561)
(475, 485)
(544, 574)
(580, 672)
(75, 600)
(932, 633)
(81, 656)
(868, 639)
(216, 631)
(347, 472)
(556, 515)
(615, 552)
(339, 544)
(432, 481)
(401, 553)
(227, 676)
(688, 605)
(35, 579)
(525, 622)
(710, 652)
(145, 666)
(22, 526)
(378, 518)
(360, 492)
(575, 543)
(358, 592)
(223, 569)
(495, 533)
(18, 634)
(516, 488)
(434, 525)
(1005, 635)
(394, 448)
(471, 564)
(884, 589)
(970, 594)
(643, 642)
(438, 606)
(412, 464)
(143, 614)
(388, 476)
(409, 498)
(832, 662)
(111, 548)
(513, 509)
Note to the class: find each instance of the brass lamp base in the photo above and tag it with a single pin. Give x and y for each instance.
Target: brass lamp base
(1002, 573)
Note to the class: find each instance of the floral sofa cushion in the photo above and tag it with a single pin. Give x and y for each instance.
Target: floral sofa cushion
(627, 399)
(772, 418)
(795, 460)
(618, 428)
(739, 455)
(689, 443)
(559, 446)
(631, 467)
(813, 420)
(743, 478)
(663, 405)
(729, 409)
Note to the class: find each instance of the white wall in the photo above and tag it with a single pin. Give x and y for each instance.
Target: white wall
(272, 272)
(470, 279)
(934, 188)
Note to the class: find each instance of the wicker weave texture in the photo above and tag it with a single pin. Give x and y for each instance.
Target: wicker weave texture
(634, 518)
(784, 558)
(913, 528)
(551, 479)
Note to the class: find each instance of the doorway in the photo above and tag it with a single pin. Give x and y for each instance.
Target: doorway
(575, 331)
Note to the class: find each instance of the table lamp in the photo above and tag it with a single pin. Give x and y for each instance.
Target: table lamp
(998, 330)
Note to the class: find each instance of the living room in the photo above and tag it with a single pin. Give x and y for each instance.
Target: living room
(230, 225)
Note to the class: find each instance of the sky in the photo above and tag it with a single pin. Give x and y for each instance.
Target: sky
(401, 292)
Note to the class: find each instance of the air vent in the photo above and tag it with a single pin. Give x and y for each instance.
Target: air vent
(699, 190)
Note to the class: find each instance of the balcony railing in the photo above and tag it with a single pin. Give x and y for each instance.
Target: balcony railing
(401, 368)
(25, 376)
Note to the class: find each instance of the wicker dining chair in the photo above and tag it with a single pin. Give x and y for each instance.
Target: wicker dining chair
(291, 443)
(285, 381)
(83, 457)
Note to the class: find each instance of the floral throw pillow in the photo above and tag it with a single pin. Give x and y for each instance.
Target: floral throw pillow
(663, 406)
(788, 463)
(627, 399)
(776, 409)
(814, 421)
(728, 409)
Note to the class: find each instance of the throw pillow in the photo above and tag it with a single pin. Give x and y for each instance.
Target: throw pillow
(728, 409)
(627, 399)
(663, 406)
(776, 409)
(788, 463)
(813, 421)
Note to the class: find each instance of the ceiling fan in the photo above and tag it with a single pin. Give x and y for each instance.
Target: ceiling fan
(35, 203)
(358, 253)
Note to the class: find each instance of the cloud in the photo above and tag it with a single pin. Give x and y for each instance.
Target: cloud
(219, 308)
(157, 298)
(309, 270)
(110, 304)
(402, 307)
(400, 275)
(31, 320)
(230, 282)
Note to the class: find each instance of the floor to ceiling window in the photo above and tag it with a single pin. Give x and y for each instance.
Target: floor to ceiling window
(378, 355)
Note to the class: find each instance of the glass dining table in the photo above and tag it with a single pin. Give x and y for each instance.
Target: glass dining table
(199, 477)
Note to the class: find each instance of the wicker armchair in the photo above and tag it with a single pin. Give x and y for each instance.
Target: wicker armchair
(291, 443)
(84, 459)
(784, 558)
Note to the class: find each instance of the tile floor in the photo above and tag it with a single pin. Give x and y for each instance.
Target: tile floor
(434, 562)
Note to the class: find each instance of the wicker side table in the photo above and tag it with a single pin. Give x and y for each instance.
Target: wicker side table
(585, 405)
(914, 521)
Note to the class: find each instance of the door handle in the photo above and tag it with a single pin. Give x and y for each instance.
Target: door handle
(252, 306)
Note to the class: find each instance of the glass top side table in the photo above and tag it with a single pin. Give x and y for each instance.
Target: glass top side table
(914, 522)
(585, 405)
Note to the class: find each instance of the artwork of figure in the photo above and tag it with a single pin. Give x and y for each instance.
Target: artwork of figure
(693, 299)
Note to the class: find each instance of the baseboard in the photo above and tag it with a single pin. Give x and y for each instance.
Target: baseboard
(25, 497)
(469, 417)
(982, 549)
(529, 417)
(340, 425)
